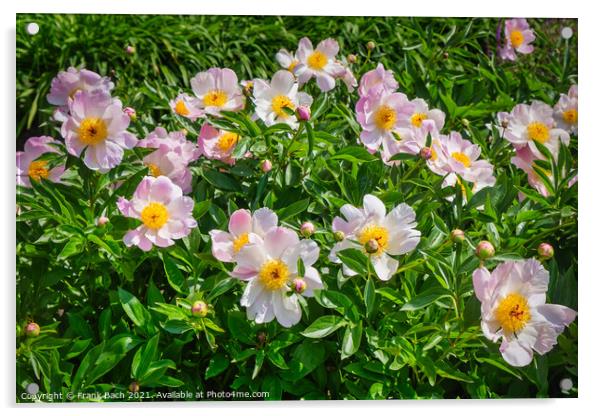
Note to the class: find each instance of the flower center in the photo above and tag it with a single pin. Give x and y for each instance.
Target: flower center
(417, 119)
(240, 242)
(462, 158)
(570, 116)
(377, 233)
(516, 38)
(215, 98)
(280, 102)
(317, 60)
(181, 108)
(38, 170)
(227, 141)
(385, 117)
(154, 215)
(292, 66)
(538, 131)
(513, 312)
(274, 274)
(154, 169)
(92, 131)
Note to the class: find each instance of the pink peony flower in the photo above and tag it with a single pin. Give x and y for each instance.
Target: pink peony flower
(270, 268)
(97, 126)
(271, 100)
(377, 79)
(347, 76)
(165, 214)
(461, 156)
(67, 83)
(394, 233)
(243, 229)
(534, 123)
(218, 90)
(513, 308)
(165, 162)
(518, 39)
(379, 114)
(217, 144)
(28, 168)
(174, 141)
(423, 118)
(319, 63)
(287, 60)
(566, 110)
(186, 106)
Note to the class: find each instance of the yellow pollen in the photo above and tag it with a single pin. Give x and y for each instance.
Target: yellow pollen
(227, 141)
(92, 131)
(385, 117)
(570, 116)
(240, 242)
(375, 232)
(292, 66)
(462, 158)
(274, 274)
(154, 169)
(538, 131)
(433, 155)
(38, 170)
(280, 102)
(215, 98)
(516, 38)
(513, 313)
(154, 215)
(181, 108)
(317, 60)
(417, 119)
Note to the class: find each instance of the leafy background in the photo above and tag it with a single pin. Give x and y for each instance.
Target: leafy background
(111, 315)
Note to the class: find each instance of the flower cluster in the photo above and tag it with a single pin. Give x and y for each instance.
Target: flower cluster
(267, 257)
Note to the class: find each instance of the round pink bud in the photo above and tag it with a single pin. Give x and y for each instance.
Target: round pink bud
(32, 330)
(371, 246)
(426, 153)
(339, 236)
(545, 251)
(303, 113)
(307, 229)
(130, 50)
(102, 221)
(266, 166)
(199, 309)
(130, 112)
(485, 250)
(299, 285)
(370, 45)
(134, 387)
(457, 236)
(351, 58)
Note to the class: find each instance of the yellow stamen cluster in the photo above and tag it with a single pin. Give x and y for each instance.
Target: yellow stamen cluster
(274, 274)
(385, 117)
(279, 103)
(154, 215)
(240, 241)
(215, 98)
(38, 169)
(538, 131)
(375, 232)
(417, 119)
(516, 38)
(154, 169)
(181, 108)
(513, 313)
(92, 131)
(462, 158)
(570, 116)
(227, 141)
(317, 60)
(292, 66)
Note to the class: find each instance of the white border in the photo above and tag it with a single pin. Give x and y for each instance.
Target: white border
(590, 287)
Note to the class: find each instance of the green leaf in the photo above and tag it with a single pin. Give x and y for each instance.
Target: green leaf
(259, 357)
(425, 299)
(324, 326)
(73, 247)
(174, 275)
(354, 259)
(139, 315)
(355, 154)
(369, 296)
(217, 365)
(145, 355)
(351, 340)
(174, 326)
(221, 180)
(293, 209)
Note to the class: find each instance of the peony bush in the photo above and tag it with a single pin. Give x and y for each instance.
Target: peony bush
(375, 217)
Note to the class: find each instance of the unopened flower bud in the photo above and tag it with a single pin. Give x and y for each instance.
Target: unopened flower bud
(339, 236)
(545, 251)
(32, 330)
(102, 221)
(247, 89)
(307, 229)
(485, 250)
(371, 246)
(370, 45)
(505, 124)
(134, 387)
(130, 50)
(130, 112)
(465, 122)
(351, 58)
(199, 309)
(266, 166)
(303, 113)
(566, 384)
(445, 55)
(299, 285)
(457, 236)
(426, 153)
(261, 337)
